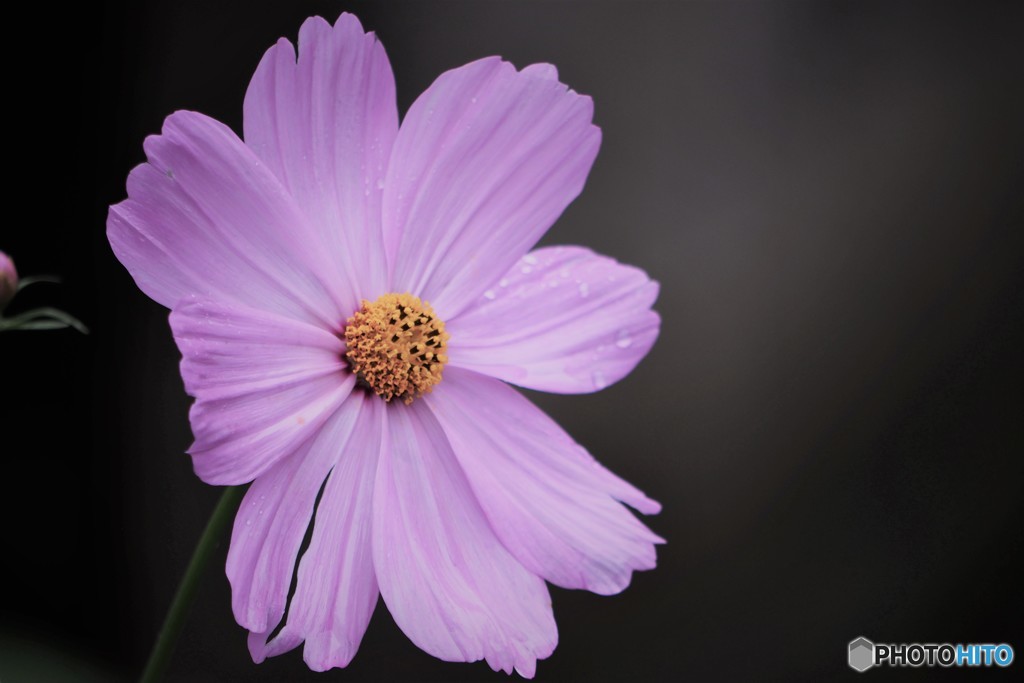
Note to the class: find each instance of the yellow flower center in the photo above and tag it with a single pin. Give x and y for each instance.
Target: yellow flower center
(396, 346)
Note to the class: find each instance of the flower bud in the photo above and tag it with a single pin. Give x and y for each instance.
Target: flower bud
(8, 279)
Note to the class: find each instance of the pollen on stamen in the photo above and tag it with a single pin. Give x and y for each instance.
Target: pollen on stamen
(396, 346)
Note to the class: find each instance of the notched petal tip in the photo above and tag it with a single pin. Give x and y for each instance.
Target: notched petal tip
(541, 70)
(351, 21)
(181, 126)
(647, 506)
(346, 27)
(257, 644)
(326, 651)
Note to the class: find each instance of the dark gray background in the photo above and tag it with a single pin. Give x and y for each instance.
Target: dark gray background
(831, 416)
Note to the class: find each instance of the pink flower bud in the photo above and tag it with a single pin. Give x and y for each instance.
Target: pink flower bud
(8, 279)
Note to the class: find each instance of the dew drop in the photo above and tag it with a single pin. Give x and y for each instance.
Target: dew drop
(584, 289)
(380, 183)
(531, 259)
(526, 269)
(248, 522)
(503, 282)
(599, 379)
(489, 294)
(623, 339)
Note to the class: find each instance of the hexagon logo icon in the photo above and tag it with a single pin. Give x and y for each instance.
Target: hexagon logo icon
(861, 654)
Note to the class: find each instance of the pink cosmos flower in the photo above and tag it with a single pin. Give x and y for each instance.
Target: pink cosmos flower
(298, 265)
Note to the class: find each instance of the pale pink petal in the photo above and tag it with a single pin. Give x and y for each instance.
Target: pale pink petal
(447, 580)
(205, 218)
(273, 520)
(263, 383)
(563, 319)
(485, 161)
(325, 126)
(336, 590)
(551, 504)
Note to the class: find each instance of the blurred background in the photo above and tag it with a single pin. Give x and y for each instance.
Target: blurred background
(828, 192)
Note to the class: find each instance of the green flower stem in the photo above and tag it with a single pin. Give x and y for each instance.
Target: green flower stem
(33, 279)
(222, 515)
(46, 318)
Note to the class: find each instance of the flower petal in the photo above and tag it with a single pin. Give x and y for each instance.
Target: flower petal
(485, 161)
(551, 504)
(273, 520)
(563, 319)
(336, 590)
(325, 126)
(263, 384)
(205, 218)
(448, 582)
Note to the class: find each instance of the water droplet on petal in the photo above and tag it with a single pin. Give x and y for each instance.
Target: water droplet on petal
(584, 289)
(599, 380)
(248, 522)
(623, 339)
(380, 183)
(526, 269)
(531, 259)
(489, 294)
(503, 282)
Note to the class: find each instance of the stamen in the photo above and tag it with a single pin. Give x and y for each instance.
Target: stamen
(395, 346)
